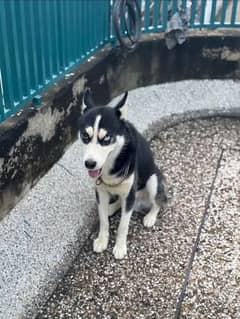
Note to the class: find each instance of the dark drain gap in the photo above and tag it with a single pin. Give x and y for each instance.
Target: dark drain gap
(196, 243)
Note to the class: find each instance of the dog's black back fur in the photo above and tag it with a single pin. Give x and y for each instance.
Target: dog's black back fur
(136, 155)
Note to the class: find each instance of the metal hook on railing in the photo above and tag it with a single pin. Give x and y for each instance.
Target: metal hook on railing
(127, 21)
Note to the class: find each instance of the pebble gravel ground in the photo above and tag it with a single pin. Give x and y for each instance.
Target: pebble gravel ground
(214, 289)
(147, 283)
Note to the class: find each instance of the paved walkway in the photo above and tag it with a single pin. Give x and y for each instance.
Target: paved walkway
(188, 265)
(43, 234)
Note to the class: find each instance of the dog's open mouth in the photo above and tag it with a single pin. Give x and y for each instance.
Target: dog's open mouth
(94, 172)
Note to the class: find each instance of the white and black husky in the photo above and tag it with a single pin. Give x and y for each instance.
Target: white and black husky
(120, 161)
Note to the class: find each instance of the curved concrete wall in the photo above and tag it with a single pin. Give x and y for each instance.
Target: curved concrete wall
(46, 229)
(33, 140)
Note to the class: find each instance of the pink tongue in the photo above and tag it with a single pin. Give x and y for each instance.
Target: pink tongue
(94, 173)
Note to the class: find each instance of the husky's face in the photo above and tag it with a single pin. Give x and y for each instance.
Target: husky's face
(101, 131)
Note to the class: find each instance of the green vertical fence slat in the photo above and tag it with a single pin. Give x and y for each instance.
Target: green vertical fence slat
(62, 35)
(184, 4)
(39, 44)
(213, 13)
(99, 16)
(2, 115)
(156, 14)
(75, 33)
(147, 15)
(86, 28)
(47, 42)
(92, 26)
(51, 40)
(71, 32)
(111, 28)
(56, 36)
(79, 30)
(25, 47)
(67, 32)
(110, 33)
(193, 13)
(139, 4)
(85, 31)
(83, 48)
(5, 61)
(72, 17)
(174, 6)
(108, 25)
(104, 21)
(98, 28)
(202, 12)
(234, 12)
(80, 33)
(29, 47)
(101, 22)
(224, 10)
(32, 31)
(164, 14)
(107, 21)
(16, 56)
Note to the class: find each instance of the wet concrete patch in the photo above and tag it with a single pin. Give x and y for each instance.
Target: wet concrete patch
(148, 282)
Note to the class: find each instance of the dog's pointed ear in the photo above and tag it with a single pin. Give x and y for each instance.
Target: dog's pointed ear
(87, 101)
(121, 107)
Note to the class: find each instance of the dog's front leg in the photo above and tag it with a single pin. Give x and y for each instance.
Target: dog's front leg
(101, 242)
(120, 248)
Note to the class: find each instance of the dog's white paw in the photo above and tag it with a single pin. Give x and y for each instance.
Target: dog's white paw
(100, 244)
(149, 220)
(119, 251)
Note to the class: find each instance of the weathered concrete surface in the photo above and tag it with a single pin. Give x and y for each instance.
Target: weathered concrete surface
(39, 239)
(43, 234)
(147, 283)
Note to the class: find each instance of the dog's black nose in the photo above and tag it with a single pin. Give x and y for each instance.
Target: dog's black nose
(90, 164)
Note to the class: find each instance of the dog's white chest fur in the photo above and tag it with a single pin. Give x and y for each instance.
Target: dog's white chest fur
(122, 189)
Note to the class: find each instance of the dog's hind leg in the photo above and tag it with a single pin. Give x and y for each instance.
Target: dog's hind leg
(156, 191)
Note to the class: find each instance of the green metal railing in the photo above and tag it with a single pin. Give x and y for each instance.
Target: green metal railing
(203, 13)
(41, 40)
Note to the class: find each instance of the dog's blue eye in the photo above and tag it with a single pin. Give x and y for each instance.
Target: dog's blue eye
(106, 140)
(85, 137)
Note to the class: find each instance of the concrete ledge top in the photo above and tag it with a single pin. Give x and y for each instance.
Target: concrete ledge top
(44, 232)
